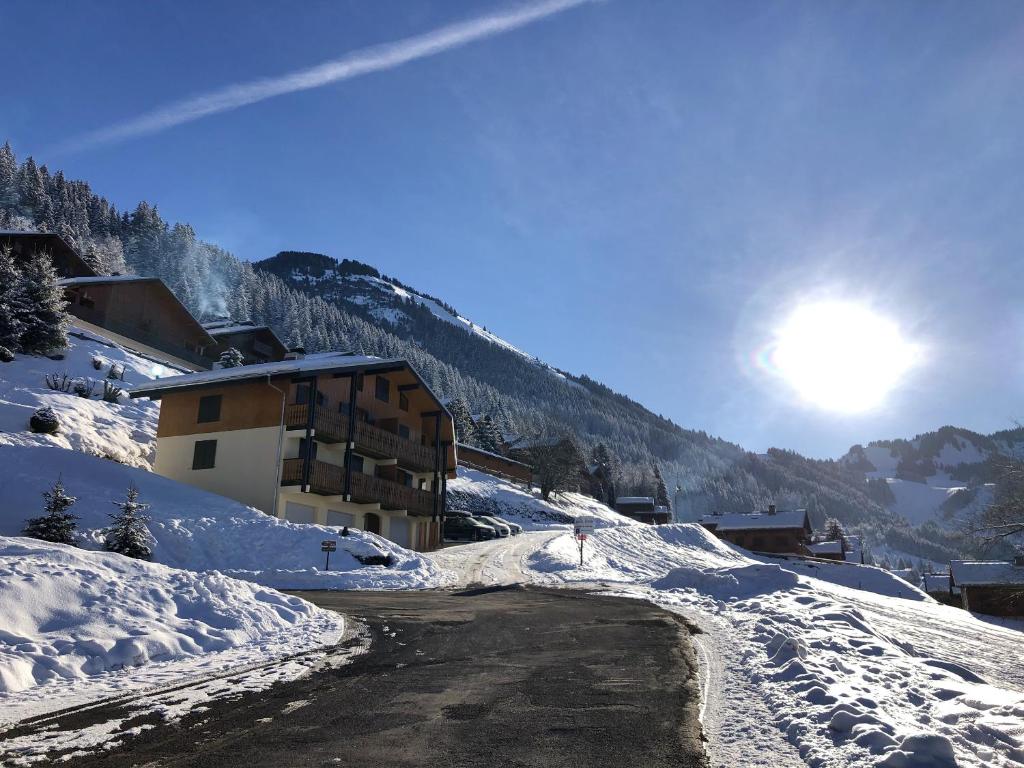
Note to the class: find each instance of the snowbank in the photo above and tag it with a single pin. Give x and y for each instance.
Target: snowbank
(70, 614)
(481, 493)
(201, 531)
(849, 676)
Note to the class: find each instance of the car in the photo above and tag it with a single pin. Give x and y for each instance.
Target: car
(500, 528)
(466, 528)
(515, 527)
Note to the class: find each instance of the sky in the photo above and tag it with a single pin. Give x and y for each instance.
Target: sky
(640, 190)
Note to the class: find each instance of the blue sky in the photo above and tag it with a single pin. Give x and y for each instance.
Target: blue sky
(635, 189)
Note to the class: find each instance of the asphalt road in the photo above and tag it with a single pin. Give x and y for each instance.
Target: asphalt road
(493, 677)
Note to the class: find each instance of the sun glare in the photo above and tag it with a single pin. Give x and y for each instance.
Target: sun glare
(841, 356)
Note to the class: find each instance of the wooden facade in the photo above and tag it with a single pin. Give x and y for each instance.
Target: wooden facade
(257, 343)
(643, 510)
(66, 260)
(771, 532)
(143, 309)
(494, 464)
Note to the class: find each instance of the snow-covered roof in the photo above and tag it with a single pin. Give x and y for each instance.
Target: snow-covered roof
(935, 582)
(985, 573)
(101, 279)
(635, 500)
(226, 330)
(757, 520)
(826, 548)
(336, 362)
(468, 447)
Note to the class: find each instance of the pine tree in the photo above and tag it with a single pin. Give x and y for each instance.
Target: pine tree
(8, 177)
(13, 306)
(660, 490)
(128, 535)
(46, 324)
(833, 530)
(487, 435)
(231, 358)
(464, 428)
(58, 524)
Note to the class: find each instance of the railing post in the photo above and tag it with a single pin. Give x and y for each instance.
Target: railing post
(307, 459)
(437, 465)
(351, 438)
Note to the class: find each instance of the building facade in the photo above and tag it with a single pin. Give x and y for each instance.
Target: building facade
(257, 343)
(643, 510)
(329, 439)
(778, 532)
(993, 587)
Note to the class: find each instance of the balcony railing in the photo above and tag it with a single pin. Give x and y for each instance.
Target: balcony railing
(332, 427)
(329, 480)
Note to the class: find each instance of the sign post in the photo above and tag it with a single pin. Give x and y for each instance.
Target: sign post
(328, 546)
(584, 527)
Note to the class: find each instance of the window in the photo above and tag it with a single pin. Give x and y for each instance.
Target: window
(205, 454)
(403, 431)
(209, 409)
(357, 463)
(403, 402)
(383, 389)
(423, 484)
(405, 478)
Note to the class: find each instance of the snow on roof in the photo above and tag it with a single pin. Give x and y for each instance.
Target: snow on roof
(826, 548)
(983, 573)
(468, 447)
(757, 520)
(337, 361)
(216, 330)
(635, 500)
(100, 279)
(935, 582)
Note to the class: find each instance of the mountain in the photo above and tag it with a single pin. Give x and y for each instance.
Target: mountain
(324, 303)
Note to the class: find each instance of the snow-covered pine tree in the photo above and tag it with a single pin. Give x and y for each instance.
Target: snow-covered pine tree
(8, 177)
(488, 436)
(58, 524)
(231, 358)
(46, 323)
(463, 420)
(833, 530)
(13, 307)
(127, 534)
(660, 490)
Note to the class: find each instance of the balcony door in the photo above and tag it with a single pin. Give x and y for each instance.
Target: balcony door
(372, 523)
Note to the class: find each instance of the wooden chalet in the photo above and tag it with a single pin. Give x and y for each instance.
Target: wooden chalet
(494, 464)
(66, 260)
(257, 343)
(773, 531)
(990, 586)
(643, 510)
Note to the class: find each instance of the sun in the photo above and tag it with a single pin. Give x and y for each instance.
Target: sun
(841, 356)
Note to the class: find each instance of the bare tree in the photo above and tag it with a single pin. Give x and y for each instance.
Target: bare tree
(1003, 519)
(557, 463)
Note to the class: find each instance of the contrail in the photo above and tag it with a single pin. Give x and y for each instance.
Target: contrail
(362, 62)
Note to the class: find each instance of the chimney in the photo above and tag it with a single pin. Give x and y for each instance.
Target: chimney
(295, 353)
(1018, 561)
(771, 509)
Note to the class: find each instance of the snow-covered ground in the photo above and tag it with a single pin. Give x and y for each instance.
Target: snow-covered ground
(80, 625)
(801, 669)
(481, 493)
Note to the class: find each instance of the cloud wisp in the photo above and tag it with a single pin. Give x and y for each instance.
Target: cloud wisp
(354, 64)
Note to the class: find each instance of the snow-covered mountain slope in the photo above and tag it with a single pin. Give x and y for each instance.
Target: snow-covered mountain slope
(201, 531)
(483, 494)
(72, 616)
(849, 677)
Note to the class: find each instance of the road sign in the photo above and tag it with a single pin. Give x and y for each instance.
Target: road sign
(581, 536)
(329, 545)
(585, 524)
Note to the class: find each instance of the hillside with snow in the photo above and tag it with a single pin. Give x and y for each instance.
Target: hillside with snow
(798, 668)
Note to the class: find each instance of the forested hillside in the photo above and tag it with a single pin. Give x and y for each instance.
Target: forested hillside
(321, 303)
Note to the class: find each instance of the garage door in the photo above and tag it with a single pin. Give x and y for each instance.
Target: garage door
(340, 518)
(399, 532)
(299, 513)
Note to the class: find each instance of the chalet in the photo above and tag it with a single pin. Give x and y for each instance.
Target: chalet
(828, 550)
(991, 587)
(331, 439)
(940, 587)
(257, 343)
(642, 509)
(66, 260)
(774, 531)
(141, 313)
(494, 464)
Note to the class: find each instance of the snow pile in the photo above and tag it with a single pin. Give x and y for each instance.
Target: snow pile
(849, 677)
(480, 493)
(202, 531)
(70, 615)
(125, 430)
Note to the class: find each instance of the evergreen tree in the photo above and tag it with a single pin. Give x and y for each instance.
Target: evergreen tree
(488, 436)
(58, 524)
(127, 534)
(8, 177)
(464, 427)
(833, 530)
(13, 307)
(231, 358)
(660, 490)
(46, 322)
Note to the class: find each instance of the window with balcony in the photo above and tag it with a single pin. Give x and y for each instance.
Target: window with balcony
(383, 389)
(204, 455)
(209, 409)
(357, 463)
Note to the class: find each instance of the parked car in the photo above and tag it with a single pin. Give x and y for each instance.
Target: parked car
(515, 527)
(465, 528)
(501, 529)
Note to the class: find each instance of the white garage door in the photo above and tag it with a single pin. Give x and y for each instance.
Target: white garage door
(340, 518)
(399, 531)
(299, 513)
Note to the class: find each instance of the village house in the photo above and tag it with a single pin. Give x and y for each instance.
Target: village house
(257, 343)
(332, 439)
(940, 587)
(773, 531)
(643, 510)
(494, 464)
(828, 550)
(990, 586)
(141, 313)
(66, 260)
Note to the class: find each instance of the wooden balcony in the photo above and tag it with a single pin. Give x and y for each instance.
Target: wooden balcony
(373, 441)
(329, 480)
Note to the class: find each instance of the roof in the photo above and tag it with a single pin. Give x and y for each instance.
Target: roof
(986, 573)
(66, 259)
(758, 520)
(101, 279)
(635, 500)
(526, 443)
(473, 449)
(935, 582)
(826, 548)
(229, 330)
